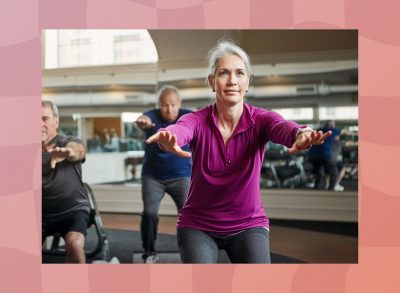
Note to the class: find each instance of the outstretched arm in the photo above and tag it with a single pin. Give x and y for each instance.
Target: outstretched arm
(73, 152)
(168, 141)
(305, 139)
(144, 122)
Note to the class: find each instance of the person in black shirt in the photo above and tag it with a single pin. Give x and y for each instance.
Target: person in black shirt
(65, 206)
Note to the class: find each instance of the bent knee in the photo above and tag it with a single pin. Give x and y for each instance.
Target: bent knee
(75, 242)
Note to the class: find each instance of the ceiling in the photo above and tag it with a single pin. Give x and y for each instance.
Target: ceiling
(287, 58)
(177, 48)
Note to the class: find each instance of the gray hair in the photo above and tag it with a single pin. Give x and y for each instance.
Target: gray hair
(329, 124)
(222, 49)
(167, 88)
(52, 106)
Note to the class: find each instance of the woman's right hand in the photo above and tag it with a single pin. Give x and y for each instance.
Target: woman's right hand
(168, 142)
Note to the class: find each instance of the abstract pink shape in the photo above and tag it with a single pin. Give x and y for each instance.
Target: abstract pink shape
(319, 11)
(177, 4)
(379, 217)
(20, 69)
(160, 278)
(120, 14)
(66, 278)
(380, 133)
(19, 271)
(377, 20)
(218, 14)
(21, 233)
(379, 167)
(20, 117)
(264, 278)
(62, 14)
(190, 17)
(271, 14)
(320, 278)
(320, 25)
(150, 3)
(18, 22)
(16, 168)
(379, 67)
(37, 194)
(119, 278)
(378, 271)
(220, 276)
(37, 172)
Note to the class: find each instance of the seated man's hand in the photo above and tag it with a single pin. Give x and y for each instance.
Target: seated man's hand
(73, 152)
(58, 155)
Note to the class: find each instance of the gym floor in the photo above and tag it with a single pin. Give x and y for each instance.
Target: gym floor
(302, 242)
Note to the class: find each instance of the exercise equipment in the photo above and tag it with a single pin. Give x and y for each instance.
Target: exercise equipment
(54, 244)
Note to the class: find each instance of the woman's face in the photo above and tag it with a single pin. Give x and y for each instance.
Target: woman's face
(231, 80)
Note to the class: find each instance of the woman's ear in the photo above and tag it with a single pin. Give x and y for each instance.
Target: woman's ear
(211, 82)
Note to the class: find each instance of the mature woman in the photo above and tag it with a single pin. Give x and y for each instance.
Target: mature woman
(224, 209)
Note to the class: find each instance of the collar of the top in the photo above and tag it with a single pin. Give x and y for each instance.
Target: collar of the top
(54, 139)
(246, 120)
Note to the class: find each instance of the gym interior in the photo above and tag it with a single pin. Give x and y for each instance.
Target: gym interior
(103, 80)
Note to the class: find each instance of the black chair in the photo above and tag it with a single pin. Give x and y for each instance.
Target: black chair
(286, 170)
(350, 161)
(101, 249)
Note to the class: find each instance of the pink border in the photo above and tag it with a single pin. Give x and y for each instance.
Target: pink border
(21, 22)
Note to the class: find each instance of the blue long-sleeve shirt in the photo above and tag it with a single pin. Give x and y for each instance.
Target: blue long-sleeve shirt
(158, 163)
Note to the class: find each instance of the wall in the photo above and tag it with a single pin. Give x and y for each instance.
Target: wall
(279, 204)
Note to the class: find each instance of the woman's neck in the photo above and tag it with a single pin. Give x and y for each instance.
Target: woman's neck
(229, 115)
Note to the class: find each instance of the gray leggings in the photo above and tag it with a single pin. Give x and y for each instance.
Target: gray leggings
(153, 191)
(249, 246)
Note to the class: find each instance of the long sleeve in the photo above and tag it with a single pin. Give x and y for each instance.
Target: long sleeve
(278, 130)
(185, 128)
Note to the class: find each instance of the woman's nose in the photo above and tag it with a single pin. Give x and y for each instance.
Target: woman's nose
(232, 79)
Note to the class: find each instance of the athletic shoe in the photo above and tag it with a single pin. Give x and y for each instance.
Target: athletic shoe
(310, 184)
(151, 259)
(339, 187)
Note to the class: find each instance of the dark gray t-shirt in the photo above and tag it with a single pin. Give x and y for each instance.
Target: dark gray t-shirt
(62, 187)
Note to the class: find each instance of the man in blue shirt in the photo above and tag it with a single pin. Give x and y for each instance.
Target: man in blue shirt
(321, 156)
(162, 172)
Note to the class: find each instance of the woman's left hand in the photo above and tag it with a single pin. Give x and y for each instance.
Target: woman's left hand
(306, 139)
(168, 141)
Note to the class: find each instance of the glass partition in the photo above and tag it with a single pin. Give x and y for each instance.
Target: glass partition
(283, 170)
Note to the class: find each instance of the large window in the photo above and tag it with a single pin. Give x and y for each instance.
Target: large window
(338, 113)
(296, 113)
(76, 48)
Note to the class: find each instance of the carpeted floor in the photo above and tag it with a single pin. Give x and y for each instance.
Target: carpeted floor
(126, 247)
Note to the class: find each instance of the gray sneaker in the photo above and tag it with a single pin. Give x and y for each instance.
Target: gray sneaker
(339, 187)
(151, 259)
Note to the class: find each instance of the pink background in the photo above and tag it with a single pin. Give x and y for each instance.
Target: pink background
(21, 22)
